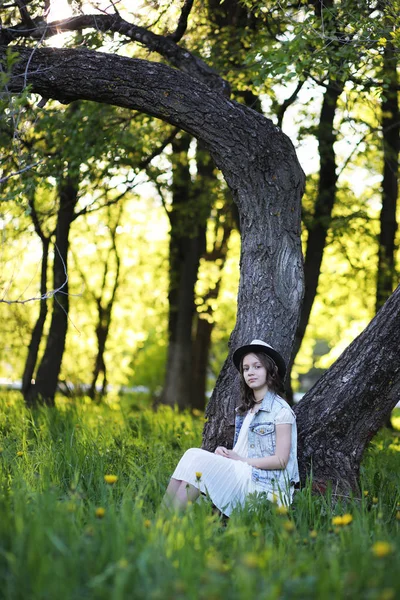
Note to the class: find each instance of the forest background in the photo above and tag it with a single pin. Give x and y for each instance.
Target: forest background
(126, 230)
(120, 266)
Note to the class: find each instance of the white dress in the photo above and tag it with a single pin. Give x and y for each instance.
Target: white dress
(227, 482)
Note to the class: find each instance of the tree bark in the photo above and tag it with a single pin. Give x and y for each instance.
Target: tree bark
(343, 411)
(48, 371)
(386, 273)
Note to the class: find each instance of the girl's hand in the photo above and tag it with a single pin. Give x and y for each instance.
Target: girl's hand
(222, 451)
(234, 455)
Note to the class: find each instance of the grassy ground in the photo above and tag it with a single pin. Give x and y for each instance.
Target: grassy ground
(65, 533)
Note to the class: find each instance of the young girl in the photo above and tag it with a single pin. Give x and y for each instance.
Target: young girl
(264, 456)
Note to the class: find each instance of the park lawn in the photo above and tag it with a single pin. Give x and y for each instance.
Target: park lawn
(67, 531)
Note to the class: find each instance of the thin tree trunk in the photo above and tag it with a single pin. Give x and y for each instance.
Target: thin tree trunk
(318, 229)
(37, 332)
(187, 242)
(386, 274)
(47, 374)
(205, 319)
(104, 311)
(386, 271)
(102, 331)
(201, 353)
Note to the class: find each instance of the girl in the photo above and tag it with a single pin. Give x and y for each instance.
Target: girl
(264, 456)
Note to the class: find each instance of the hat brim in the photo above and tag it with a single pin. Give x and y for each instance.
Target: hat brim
(256, 348)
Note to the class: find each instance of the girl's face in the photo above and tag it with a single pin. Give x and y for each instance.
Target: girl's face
(254, 372)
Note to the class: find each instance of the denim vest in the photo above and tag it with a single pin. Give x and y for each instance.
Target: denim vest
(262, 442)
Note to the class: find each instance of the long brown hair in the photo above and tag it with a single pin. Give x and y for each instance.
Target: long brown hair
(273, 381)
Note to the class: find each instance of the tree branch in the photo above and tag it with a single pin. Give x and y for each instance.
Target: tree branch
(288, 102)
(180, 58)
(182, 23)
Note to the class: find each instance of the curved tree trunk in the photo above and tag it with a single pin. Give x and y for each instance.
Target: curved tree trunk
(47, 374)
(347, 406)
(257, 160)
(266, 181)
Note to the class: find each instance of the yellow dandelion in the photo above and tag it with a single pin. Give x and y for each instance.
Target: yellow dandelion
(100, 512)
(122, 563)
(251, 560)
(20, 453)
(110, 479)
(289, 526)
(347, 519)
(381, 549)
(387, 594)
(282, 510)
(180, 586)
(366, 492)
(147, 523)
(375, 500)
(198, 475)
(337, 520)
(215, 563)
(313, 534)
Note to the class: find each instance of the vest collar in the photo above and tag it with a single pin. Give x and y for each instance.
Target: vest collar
(267, 401)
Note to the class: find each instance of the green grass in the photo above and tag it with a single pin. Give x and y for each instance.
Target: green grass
(52, 545)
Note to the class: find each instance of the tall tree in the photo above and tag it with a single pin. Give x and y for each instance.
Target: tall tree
(216, 255)
(188, 217)
(261, 169)
(386, 272)
(45, 384)
(257, 160)
(37, 331)
(104, 297)
(320, 221)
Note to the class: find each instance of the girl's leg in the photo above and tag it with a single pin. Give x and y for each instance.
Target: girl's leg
(170, 492)
(184, 494)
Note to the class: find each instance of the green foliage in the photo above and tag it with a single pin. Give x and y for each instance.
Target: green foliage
(52, 468)
(262, 47)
